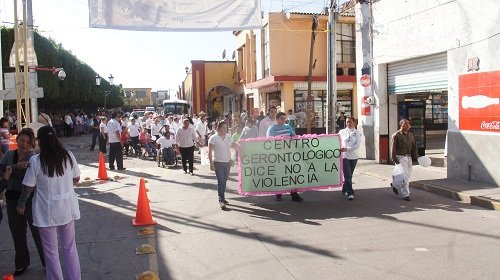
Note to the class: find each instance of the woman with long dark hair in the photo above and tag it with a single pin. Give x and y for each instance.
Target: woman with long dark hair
(52, 174)
(13, 165)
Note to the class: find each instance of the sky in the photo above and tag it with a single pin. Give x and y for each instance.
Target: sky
(136, 59)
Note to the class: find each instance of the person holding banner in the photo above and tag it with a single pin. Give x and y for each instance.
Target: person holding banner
(250, 130)
(350, 141)
(404, 149)
(219, 155)
(283, 129)
(268, 121)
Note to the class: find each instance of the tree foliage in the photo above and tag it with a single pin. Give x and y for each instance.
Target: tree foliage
(77, 91)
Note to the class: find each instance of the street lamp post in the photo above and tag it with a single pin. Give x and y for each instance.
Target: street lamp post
(98, 83)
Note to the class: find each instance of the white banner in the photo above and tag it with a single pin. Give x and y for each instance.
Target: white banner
(172, 15)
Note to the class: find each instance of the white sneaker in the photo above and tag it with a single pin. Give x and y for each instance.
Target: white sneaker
(350, 197)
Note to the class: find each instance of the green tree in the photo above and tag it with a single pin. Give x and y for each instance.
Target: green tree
(77, 91)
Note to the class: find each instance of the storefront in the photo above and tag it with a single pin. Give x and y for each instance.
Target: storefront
(319, 99)
(421, 86)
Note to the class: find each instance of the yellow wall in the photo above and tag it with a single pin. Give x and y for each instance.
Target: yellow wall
(220, 73)
(290, 41)
(287, 100)
(188, 88)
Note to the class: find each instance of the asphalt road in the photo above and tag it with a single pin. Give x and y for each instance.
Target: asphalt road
(375, 236)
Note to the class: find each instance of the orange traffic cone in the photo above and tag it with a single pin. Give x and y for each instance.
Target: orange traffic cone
(103, 174)
(143, 215)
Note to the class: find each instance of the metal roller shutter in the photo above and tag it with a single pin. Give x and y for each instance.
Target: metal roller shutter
(427, 73)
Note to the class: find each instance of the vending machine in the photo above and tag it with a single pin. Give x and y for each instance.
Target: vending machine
(415, 112)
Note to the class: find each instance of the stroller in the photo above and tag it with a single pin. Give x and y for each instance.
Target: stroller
(167, 157)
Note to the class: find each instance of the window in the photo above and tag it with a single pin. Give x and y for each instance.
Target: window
(266, 50)
(345, 46)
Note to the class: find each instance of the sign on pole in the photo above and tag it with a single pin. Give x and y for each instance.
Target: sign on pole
(365, 80)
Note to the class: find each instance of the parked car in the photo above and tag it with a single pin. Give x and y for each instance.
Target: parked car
(139, 114)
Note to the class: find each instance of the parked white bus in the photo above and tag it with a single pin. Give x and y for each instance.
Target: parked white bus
(175, 107)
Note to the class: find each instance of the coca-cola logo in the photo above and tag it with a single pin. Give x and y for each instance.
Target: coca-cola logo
(490, 125)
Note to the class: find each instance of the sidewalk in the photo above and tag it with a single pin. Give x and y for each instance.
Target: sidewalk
(433, 179)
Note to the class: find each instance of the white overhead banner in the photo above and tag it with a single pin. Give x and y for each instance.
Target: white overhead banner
(175, 15)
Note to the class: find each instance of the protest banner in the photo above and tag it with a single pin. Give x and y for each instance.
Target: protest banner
(278, 165)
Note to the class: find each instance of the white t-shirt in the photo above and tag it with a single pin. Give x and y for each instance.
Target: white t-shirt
(55, 202)
(103, 128)
(350, 139)
(148, 122)
(264, 126)
(133, 130)
(113, 127)
(201, 128)
(155, 128)
(221, 147)
(165, 143)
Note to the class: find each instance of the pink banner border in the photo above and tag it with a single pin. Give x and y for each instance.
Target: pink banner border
(240, 179)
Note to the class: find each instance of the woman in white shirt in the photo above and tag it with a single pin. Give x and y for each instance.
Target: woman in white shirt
(350, 141)
(103, 135)
(51, 174)
(219, 155)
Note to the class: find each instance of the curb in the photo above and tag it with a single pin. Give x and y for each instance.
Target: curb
(480, 201)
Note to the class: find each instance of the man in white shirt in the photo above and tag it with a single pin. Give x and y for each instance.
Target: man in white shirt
(201, 129)
(268, 121)
(155, 128)
(165, 145)
(185, 138)
(133, 131)
(115, 142)
(68, 125)
(175, 125)
(149, 121)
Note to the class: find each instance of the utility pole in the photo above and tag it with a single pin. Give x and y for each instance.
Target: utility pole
(22, 78)
(331, 99)
(310, 98)
(29, 26)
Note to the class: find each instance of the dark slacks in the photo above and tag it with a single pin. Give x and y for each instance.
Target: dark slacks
(349, 165)
(115, 153)
(95, 135)
(18, 230)
(187, 155)
(134, 142)
(102, 143)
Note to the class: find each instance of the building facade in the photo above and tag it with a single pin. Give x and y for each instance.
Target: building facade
(138, 97)
(436, 63)
(273, 65)
(213, 87)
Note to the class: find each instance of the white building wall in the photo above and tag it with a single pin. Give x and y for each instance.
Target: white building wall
(408, 29)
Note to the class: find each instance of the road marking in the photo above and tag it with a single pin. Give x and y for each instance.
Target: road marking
(421, 250)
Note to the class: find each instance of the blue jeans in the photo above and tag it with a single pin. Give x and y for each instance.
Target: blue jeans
(222, 173)
(349, 165)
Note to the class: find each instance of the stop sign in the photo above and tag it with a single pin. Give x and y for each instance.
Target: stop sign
(365, 80)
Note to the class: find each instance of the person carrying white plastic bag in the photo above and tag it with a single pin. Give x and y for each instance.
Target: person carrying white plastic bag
(404, 149)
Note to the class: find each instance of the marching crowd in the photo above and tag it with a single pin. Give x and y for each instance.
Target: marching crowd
(39, 187)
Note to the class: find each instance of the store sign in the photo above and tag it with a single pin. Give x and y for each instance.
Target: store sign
(479, 107)
(278, 164)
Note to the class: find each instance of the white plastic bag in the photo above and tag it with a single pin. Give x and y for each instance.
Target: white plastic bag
(398, 175)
